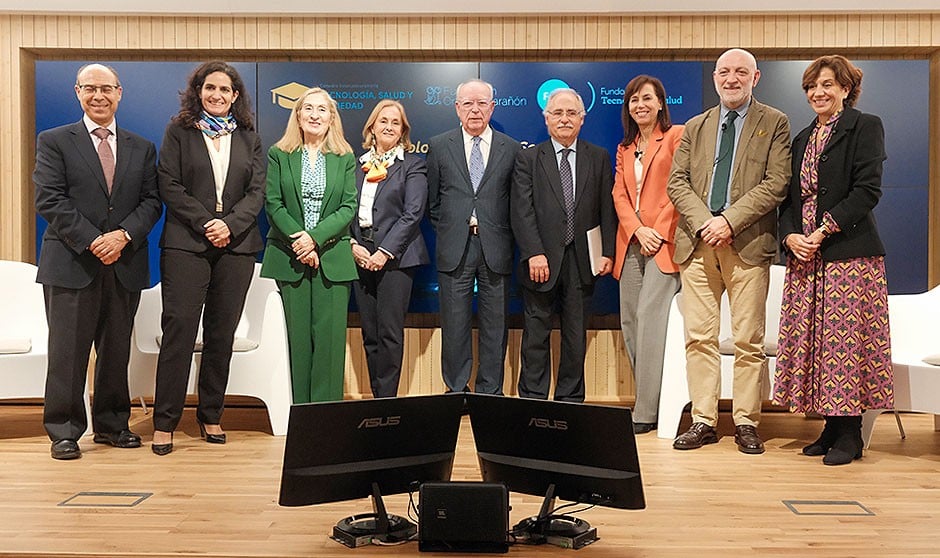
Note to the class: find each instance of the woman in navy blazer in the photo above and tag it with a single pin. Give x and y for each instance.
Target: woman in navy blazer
(386, 240)
(212, 178)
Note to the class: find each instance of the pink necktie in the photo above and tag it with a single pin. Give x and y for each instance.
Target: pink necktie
(105, 155)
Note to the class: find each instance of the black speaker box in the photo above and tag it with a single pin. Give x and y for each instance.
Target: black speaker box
(463, 517)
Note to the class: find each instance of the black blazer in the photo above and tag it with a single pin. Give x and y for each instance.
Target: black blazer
(400, 202)
(451, 200)
(849, 186)
(72, 195)
(538, 209)
(187, 186)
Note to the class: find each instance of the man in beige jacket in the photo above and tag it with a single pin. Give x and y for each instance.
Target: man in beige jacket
(728, 177)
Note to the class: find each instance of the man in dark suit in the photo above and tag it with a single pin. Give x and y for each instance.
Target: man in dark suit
(561, 189)
(729, 174)
(469, 172)
(96, 185)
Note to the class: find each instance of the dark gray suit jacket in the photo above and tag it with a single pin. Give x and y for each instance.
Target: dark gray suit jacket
(538, 209)
(451, 200)
(400, 202)
(72, 195)
(187, 186)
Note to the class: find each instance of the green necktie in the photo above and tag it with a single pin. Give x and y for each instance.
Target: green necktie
(723, 164)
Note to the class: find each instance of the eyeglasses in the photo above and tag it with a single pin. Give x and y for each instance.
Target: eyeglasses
(103, 89)
(468, 104)
(570, 113)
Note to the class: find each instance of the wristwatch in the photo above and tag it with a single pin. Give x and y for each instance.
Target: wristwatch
(127, 235)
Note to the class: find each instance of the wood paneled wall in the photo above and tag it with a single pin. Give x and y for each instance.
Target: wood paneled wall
(27, 38)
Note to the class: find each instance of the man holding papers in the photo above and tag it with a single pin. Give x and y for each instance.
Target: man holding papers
(561, 189)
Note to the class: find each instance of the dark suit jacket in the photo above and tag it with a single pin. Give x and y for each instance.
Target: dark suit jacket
(72, 195)
(187, 186)
(849, 186)
(451, 200)
(538, 209)
(400, 202)
(758, 181)
(286, 215)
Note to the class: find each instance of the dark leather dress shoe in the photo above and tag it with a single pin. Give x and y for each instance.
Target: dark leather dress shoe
(747, 439)
(698, 435)
(643, 427)
(66, 449)
(163, 449)
(122, 439)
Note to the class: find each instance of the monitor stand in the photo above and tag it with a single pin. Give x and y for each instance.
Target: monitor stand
(362, 529)
(565, 531)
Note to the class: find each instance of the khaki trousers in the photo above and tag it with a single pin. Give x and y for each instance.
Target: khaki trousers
(705, 276)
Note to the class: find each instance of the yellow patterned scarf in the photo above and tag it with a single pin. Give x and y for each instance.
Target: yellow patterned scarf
(376, 166)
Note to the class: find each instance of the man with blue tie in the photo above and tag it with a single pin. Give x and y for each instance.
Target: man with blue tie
(561, 189)
(469, 170)
(96, 186)
(729, 174)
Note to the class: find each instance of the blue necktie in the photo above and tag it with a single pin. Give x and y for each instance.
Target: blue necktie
(567, 190)
(723, 164)
(476, 164)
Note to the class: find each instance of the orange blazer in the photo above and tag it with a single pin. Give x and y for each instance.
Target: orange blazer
(656, 210)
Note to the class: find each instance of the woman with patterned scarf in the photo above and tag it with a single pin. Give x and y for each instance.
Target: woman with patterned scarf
(212, 180)
(386, 239)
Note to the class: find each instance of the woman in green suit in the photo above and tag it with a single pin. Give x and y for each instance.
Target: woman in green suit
(310, 201)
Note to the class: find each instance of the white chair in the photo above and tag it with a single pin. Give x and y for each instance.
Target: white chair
(23, 332)
(24, 335)
(913, 338)
(260, 364)
(674, 395)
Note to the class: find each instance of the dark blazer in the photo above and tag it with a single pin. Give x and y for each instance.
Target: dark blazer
(538, 209)
(187, 187)
(400, 202)
(849, 186)
(451, 200)
(286, 215)
(72, 195)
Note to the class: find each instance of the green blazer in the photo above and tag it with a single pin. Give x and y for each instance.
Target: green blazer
(285, 214)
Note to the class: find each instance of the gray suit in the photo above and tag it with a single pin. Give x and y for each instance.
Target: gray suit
(463, 259)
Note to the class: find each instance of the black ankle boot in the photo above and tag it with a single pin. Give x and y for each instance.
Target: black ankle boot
(848, 444)
(825, 440)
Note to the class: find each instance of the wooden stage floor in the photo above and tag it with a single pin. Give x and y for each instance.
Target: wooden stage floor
(221, 501)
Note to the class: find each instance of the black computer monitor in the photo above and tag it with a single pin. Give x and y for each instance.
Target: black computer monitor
(571, 451)
(347, 450)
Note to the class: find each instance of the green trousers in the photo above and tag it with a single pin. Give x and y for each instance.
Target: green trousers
(315, 309)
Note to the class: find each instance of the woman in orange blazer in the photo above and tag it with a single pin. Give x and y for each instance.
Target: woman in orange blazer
(645, 238)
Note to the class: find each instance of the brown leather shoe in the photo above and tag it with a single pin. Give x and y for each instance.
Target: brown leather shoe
(696, 436)
(747, 439)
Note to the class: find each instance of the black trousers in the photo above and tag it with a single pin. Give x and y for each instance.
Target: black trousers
(212, 283)
(101, 314)
(574, 300)
(382, 298)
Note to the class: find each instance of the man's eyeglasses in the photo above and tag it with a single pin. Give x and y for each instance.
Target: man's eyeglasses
(468, 104)
(103, 89)
(570, 113)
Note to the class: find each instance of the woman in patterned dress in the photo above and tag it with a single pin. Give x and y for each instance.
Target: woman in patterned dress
(834, 353)
(310, 201)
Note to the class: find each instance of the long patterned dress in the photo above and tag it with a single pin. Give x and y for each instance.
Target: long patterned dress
(834, 355)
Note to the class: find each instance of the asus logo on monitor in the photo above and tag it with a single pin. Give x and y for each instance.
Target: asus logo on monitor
(548, 423)
(379, 422)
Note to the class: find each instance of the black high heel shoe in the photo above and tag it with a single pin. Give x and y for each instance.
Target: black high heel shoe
(163, 449)
(210, 438)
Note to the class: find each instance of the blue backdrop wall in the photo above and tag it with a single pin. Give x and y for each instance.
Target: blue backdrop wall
(427, 91)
